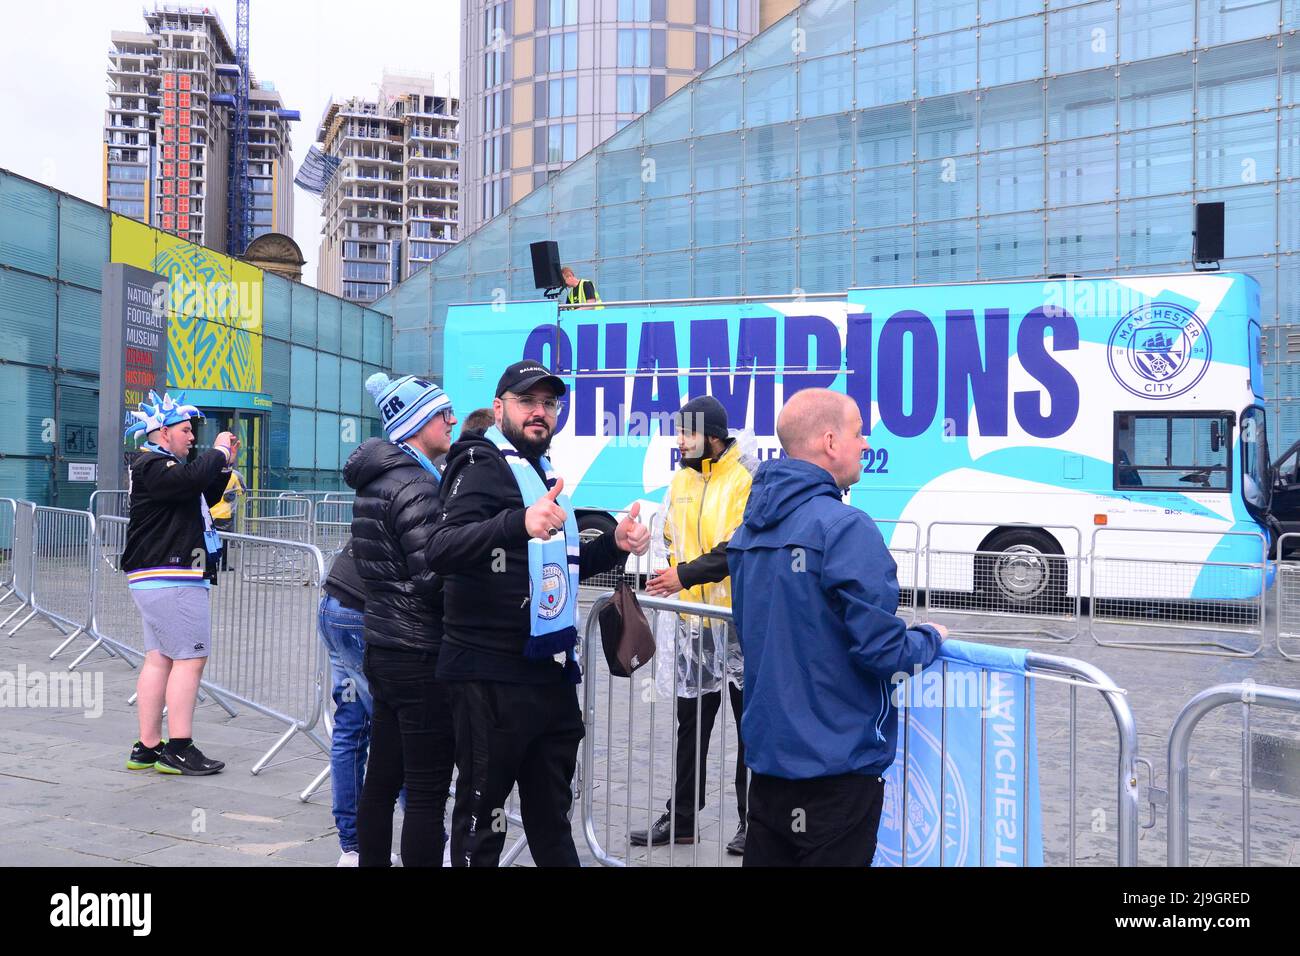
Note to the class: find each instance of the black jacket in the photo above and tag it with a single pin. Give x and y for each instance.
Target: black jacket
(486, 616)
(344, 582)
(166, 526)
(392, 518)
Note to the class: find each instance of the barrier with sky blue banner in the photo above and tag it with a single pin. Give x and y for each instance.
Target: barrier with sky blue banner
(963, 788)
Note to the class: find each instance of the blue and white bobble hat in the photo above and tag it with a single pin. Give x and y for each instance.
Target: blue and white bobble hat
(157, 412)
(406, 404)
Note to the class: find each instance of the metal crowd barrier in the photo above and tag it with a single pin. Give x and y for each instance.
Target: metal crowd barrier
(628, 725)
(331, 526)
(62, 572)
(631, 705)
(1164, 584)
(311, 495)
(1287, 599)
(8, 514)
(1007, 585)
(23, 560)
(115, 620)
(283, 517)
(1248, 695)
(265, 653)
(105, 504)
(908, 559)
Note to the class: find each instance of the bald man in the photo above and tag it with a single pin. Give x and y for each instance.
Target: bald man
(815, 596)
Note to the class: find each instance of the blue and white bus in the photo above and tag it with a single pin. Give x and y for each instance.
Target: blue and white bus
(1013, 418)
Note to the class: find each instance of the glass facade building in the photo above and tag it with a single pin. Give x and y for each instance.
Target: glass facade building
(317, 352)
(287, 370)
(891, 142)
(543, 81)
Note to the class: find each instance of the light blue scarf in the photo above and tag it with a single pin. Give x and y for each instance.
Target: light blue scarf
(422, 458)
(552, 565)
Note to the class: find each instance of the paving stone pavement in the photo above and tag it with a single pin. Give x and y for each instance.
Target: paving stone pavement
(67, 799)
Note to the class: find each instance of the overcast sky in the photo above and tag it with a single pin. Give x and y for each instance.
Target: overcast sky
(54, 62)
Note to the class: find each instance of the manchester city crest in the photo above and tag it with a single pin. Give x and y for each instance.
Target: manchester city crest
(555, 591)
(1159, 350)
(938, 829)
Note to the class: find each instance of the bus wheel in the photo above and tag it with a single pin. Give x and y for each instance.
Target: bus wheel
(1028, 573)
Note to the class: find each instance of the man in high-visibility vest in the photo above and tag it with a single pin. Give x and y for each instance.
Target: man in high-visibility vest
(582, 292)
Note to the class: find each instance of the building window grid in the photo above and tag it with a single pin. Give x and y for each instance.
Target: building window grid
(633, 94)
(634, 11)
(562, 13)
(634, 48)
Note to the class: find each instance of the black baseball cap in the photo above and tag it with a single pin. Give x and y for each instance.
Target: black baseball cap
(522, 376)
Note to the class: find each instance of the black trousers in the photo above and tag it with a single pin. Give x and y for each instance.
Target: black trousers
(411, 744)
(825, 821)
(507, 734)
(223, 555)
(705, 708)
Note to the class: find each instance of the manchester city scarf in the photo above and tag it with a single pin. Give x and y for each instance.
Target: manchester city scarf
(552, 565)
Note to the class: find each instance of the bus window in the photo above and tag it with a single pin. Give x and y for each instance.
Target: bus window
(1256, 485)
(1126, 476)
(1189, 451)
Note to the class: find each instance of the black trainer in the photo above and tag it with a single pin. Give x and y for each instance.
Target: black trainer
(662, 832)
(142, 757)
(189, 762)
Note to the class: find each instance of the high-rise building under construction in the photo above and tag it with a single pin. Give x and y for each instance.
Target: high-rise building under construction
(391, 203)
(167, 130)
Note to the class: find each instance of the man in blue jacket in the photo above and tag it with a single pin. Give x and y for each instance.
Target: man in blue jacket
(814, 593)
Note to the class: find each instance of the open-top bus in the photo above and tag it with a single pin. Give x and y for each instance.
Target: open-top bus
(1013, 419)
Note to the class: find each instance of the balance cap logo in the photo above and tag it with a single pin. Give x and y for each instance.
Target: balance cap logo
(555, 592)
(1159, 350)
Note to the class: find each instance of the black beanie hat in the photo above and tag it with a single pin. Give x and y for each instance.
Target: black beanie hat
(708, 410)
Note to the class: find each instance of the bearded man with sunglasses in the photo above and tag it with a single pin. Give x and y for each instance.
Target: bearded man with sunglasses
(507, 550)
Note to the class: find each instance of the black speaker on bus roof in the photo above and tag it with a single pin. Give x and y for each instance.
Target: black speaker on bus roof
(1207, 237)
(546, 264)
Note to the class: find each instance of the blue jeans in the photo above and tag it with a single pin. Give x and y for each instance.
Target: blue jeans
(341, 632)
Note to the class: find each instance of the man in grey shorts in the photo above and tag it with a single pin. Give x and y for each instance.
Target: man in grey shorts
(174, 619)
(170, 562)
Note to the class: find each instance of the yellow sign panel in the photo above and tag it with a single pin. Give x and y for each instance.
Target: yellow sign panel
(214, 336)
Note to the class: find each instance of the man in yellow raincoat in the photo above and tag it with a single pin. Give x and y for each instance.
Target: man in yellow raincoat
(704, 505)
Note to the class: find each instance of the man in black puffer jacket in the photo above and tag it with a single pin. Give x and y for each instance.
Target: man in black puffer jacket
(392, 520)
